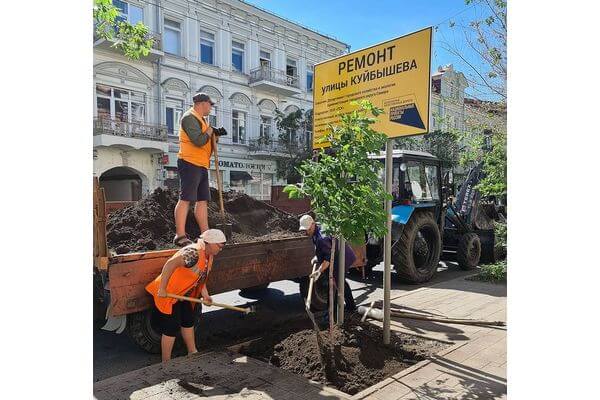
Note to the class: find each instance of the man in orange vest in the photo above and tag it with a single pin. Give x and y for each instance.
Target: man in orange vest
(184, 274)
(193, 161)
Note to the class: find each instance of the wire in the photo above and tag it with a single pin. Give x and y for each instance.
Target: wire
(458, 13)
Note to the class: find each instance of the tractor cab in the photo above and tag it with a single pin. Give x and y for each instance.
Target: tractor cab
(416, 184)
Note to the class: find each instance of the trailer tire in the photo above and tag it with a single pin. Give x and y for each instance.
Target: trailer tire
(469, 251)
(318, 301)
(416, 255)
(141, 329)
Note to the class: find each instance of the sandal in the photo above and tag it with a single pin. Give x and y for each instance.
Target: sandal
(182, 241)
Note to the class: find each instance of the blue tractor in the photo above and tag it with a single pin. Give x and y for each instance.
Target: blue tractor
(420, 212)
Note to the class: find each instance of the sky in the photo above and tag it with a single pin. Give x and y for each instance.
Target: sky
(364, 23)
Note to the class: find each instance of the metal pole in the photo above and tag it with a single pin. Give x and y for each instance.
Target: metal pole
(340, 281)
(387, 247)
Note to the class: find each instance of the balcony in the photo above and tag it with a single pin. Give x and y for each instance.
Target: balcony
(130, 135)
(265, 148)
(155, 53)
(274, 81)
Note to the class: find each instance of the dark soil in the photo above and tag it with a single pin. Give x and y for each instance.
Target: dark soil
(354, 360)
(149, 224)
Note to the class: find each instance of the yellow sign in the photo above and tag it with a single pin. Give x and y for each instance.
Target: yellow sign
(394, 75)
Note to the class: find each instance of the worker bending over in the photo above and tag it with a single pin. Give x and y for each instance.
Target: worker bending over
(184, 274)
(322, 244)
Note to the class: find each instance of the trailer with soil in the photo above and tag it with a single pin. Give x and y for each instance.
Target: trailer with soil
(120, 279)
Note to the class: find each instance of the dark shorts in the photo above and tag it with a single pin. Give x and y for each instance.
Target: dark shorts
(183, 316)
(193, 181)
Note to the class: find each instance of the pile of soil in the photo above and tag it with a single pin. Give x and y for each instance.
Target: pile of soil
(355, 357)
(149, 224)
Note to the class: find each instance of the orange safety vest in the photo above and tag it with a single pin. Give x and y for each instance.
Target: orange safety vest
(182, 281)
(188, 151)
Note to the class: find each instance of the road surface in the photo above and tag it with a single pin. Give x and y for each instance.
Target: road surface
(115, 354)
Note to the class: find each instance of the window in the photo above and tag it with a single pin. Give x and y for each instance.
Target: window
(265, 127)
(238, 124)
(267, 182)
(265, 59)
(212, 178)
(172, 34)
(255, 186)
(120, 104)
(207, 47)
(421, 182)
(128, 12)
(309, 80)
(212, 117)
(291, 69)
(237, 56)
(174, 110)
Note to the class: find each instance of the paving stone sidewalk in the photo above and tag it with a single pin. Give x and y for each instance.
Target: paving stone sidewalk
(473, 368)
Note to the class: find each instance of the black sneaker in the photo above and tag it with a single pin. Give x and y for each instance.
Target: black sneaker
(182, 241)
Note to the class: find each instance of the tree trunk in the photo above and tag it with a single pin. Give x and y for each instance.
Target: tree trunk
(331, 283)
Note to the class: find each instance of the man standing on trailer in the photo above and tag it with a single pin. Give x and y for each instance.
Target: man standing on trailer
(193, 161)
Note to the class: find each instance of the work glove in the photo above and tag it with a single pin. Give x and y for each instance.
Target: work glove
(219, 131)
(315, 275)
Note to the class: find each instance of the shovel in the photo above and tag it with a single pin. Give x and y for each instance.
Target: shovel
(310, 314)
(223, 226)
(312, 318)
(201, 301)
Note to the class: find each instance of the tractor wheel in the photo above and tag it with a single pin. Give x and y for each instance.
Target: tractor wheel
(318, 301)
(469, 251)
(417, 254)
(141, 329)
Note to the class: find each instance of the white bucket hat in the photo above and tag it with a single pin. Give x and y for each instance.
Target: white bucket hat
(213, 236)
(305, 222)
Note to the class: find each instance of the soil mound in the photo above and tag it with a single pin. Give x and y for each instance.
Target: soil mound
(149, 224)
(355, 357)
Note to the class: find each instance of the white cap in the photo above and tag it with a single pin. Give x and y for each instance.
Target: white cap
(213, 236)
(305, 222)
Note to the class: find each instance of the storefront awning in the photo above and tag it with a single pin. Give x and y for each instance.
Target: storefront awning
(240, 176)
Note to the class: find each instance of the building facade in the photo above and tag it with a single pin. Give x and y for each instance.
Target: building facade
(448, 109)
(250, 61)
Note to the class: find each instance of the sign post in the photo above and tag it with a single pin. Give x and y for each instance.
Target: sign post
(394, 75)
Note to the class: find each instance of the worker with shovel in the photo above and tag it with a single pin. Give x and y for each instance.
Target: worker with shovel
(322, 244)
(184, 274)
(196, 144)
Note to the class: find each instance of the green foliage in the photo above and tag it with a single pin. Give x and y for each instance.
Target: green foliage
(494, 160)
(292, 126)
(493, 272)
(345, 191)
(133, 40)
(500, 231)
(444, 144)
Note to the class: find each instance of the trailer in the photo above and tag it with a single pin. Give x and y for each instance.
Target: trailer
(120, 280)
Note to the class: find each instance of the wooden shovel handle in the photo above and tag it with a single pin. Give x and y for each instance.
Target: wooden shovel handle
(201, 301)
(219, 183)
(310, 287)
